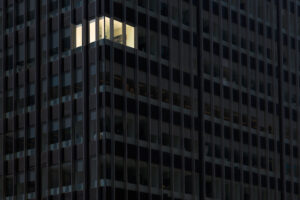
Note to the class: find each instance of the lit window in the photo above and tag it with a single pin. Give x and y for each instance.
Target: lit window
(118, 32)
(78, 35)
(101, 28)
(92, 29)
(107, 27)
(130, 36)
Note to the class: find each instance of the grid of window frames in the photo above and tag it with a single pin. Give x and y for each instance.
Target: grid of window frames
(98, 99)
(251, 140)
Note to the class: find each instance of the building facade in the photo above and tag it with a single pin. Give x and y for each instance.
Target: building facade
(149, 99)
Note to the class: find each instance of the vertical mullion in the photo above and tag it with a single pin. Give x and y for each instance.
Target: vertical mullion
(26, 89)
(160, 125)
(72, 57)
(136, 117)
(48, 77)
(37, 101)
(200, 102)
(2, 85)
(125, 116)
(102, 71)
(280, 100)
(297, 83)
(112, 105)
(85, 49)
(288, 158)
(97, 99)
(14, 100)
(60, 105)
(181, 136)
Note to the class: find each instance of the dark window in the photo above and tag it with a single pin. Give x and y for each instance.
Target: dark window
(186, 79)
(176, 75)
(234, 17)
(216, 48)
(186, 36)
(217, 90)
(206, 44)
(206, 5)
(252, 25)
(224, 12)
(227, 132)
(207, 86)
(225, 52)
(254, 140)
(175, 32)
(164, 9)
(226, 92)
(235, 95)
(154, 68)
(243, 21)
(208, 127)
(263, 142)
(164, 28)
(236, 135)
(165, 72)
(261, 29)
(215, 8)
(245, 138)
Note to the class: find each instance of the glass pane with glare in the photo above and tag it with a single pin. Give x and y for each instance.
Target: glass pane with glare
(118, 36)
(101, 28)
(92, 29)
(107, 28)
(130, 36)
(78, 35)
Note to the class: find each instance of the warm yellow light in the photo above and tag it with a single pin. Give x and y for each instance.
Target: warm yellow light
(101, 28)
(118, 36)
(78, 35)
(107, 28)
(92, 31)
(130, 36)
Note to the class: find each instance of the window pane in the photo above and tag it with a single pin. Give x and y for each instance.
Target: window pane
(118, 32)
(92, 29)
(107, 28)
(130, 36)
(101, 28)
(78, 35)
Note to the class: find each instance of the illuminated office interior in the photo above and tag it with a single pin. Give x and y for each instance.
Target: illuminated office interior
(121, 33)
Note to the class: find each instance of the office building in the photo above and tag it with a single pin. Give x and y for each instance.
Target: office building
(149, 99)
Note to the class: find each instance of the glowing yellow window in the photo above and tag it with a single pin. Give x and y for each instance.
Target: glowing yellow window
(130, 36)
(78, 35)
(101, 28)
(118, 30)
(107, 27)
(92, 31)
